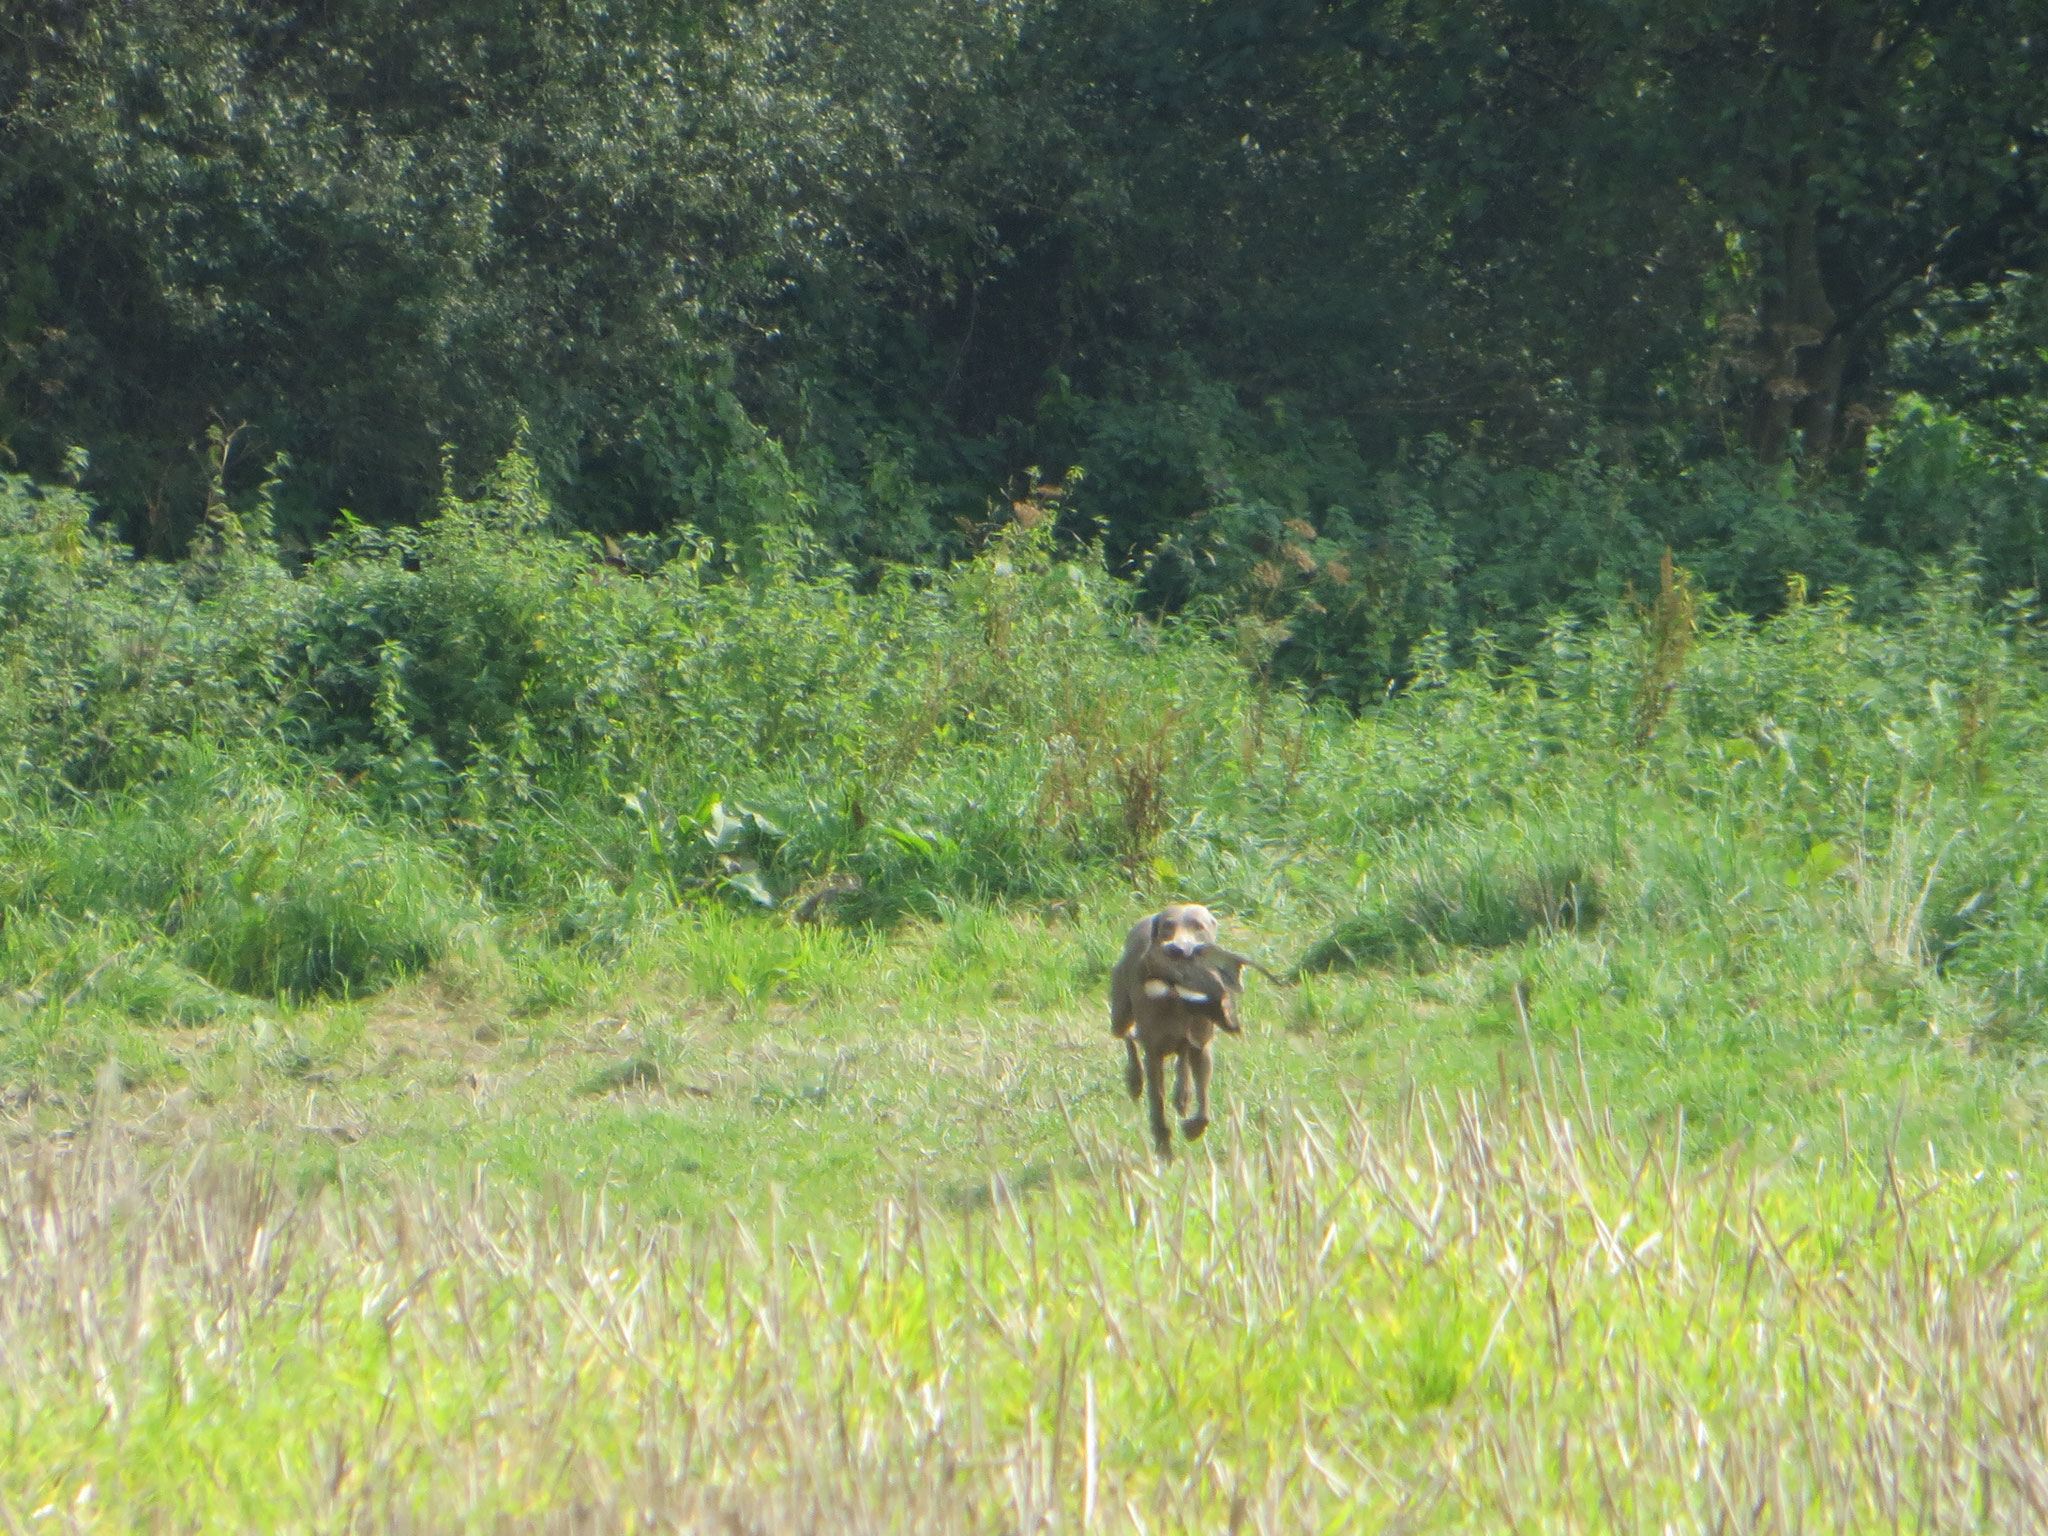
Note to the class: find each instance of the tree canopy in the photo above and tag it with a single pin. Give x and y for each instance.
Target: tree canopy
(1337, 263)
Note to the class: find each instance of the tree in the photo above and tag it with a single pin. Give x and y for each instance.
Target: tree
(371, 227)
(1836, 165)
(1867, 159)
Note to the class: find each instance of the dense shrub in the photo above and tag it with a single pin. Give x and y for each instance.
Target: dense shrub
(316, 782)
(246, 871)
(1345, 561)
(105, 660)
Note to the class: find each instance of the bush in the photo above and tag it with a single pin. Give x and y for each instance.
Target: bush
(107, 662)
(312, 784)
(1348, 564)
(1484, 896)
(255, 877)
(434, 642)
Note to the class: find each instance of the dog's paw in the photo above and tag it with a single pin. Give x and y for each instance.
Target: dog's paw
(1193, 1126)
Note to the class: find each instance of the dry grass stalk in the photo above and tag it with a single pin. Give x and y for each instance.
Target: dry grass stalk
(1668, 632)
(1481, 1315)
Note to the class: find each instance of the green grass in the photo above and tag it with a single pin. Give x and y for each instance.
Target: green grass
(1621, 1227)
(1481, 1312)
(424, 1109)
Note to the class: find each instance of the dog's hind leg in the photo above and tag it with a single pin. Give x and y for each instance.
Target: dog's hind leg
(1134, 1071)
(1180, 1084)
(1197, 1057)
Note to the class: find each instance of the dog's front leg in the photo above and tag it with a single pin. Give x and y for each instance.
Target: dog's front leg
(1197, 1057)
(1155, 1101)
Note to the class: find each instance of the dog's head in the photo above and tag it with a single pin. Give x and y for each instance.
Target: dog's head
(1180, 931)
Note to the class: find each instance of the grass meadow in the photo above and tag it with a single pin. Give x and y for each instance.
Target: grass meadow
(496, 1039)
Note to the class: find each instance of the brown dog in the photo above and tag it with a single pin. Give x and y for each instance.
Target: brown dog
(1169, 993)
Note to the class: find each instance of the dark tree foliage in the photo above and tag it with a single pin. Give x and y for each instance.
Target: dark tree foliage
(371, 227)
(1363, 317)
(1627, 213)
(1263, 250)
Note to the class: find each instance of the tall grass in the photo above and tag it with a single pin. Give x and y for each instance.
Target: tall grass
(1724, 941)
(292, 786)
(1477, 1314)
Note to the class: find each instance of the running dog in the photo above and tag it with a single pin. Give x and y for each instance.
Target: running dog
(1169, 993)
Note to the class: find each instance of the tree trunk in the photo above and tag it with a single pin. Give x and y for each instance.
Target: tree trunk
(1803, 354)
(1806, 352)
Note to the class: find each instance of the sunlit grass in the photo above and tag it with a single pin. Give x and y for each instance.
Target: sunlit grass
(433, 1103)
(1485, 1312)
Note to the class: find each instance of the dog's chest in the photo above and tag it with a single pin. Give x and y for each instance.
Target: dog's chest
(1170, 1021)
